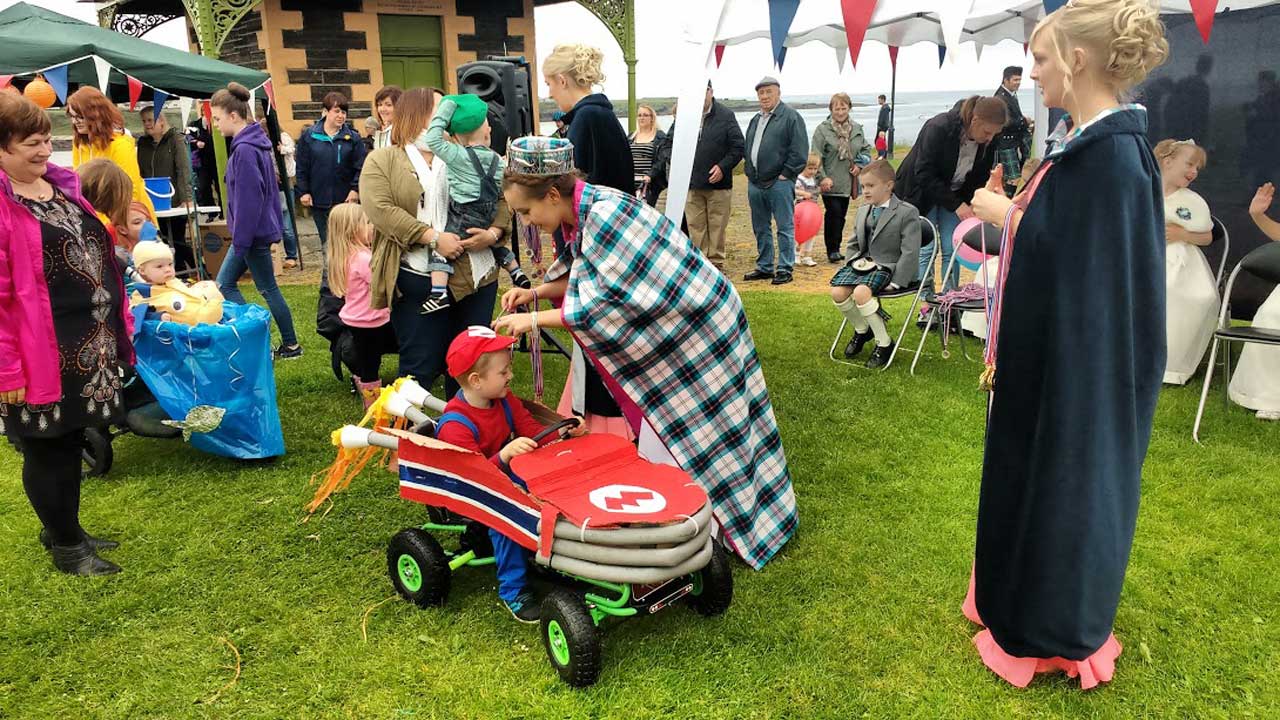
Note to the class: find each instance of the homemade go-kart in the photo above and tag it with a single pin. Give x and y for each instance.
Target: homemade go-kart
(616, 535)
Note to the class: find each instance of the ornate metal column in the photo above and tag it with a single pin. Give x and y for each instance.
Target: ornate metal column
(620, 17)
(214, 19)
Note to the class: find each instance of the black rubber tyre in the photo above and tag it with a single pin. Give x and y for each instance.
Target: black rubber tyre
(713, 585)
(476, 539)
(96, 452)
(418, 567)
(570, 638)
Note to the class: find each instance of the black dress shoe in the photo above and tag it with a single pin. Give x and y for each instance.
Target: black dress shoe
(757, 275)
(854, 347)
(98, 544)
(835, 257)
(782, 277)
(880, 356)
(81, 560)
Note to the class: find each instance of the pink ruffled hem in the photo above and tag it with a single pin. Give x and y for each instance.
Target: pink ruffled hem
(595, 423)
(1098, 668)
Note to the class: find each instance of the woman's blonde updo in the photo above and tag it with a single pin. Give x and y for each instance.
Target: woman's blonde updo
(580, 63)
(1127, 34)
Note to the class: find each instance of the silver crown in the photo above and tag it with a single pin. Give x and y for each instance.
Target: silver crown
(536, 155)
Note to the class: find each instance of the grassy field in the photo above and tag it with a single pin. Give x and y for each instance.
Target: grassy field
(858, 616)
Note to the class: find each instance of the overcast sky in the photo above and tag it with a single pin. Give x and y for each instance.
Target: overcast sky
(810, 69)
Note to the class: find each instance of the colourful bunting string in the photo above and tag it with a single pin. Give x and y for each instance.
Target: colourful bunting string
(781, 14)
(103, 69)
(270, 91)
(135, 91)
(719, 54)
(942, 54)
(184, 106)
(57, 77)
(893, 57)
(158, 99)
(5, 80)
(857, 18)
(1051, 5)
(1203, 11)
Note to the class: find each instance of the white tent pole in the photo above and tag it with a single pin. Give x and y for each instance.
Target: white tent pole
(699, 49)
(1042, 123)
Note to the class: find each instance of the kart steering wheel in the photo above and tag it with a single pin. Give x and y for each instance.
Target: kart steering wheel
(560, 426)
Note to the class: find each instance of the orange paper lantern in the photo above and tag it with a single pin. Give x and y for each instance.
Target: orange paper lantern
(41, 93)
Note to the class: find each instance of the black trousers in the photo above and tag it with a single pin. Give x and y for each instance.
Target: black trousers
(368, 345)
(424, 339)
(835, 210)
(51, 477)
(174, 230)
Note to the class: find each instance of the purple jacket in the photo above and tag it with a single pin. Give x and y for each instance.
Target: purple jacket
(253, 198)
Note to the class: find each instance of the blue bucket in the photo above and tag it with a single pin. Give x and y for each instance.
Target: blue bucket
(161, 191)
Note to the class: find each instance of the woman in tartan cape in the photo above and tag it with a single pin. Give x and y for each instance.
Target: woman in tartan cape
(668, 333)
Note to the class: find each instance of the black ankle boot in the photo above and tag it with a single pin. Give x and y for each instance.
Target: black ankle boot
(98, 544)
(81, 560)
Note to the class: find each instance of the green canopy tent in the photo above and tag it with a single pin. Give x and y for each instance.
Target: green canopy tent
(33, 39)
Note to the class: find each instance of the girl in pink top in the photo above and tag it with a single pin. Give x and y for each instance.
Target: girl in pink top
(372, 335)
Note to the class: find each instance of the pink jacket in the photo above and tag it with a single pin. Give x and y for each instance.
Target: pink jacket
(28, 344)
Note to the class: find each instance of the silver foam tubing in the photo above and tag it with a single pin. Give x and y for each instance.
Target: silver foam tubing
(621, 574)
(653, 557)
(672, 533)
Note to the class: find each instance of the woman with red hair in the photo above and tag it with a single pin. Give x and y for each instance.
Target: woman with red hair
(99, 133)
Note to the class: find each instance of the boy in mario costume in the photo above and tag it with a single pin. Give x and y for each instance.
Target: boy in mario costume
(484, 417)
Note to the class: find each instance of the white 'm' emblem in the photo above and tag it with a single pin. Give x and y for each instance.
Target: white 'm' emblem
(627, 499)
(481, 331)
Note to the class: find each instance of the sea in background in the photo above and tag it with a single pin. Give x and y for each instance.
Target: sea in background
(914, 109)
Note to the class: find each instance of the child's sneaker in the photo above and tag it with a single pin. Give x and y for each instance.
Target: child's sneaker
(434, 304)
(520, 280)
(288, 353)
(525, 608)
(808, 262)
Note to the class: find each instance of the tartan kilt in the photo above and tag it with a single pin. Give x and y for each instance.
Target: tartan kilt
(876, 279)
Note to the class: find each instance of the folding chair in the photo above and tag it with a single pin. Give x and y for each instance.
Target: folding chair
(1263, 262)
(928, 233)
(989, 247)
(1220, 235)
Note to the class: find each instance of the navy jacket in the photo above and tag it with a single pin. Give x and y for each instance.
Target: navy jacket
(600, 147)
(253, 198)
(329, 168)
(924, 178)
(1079, 362)
(784, 150)
(719, 143)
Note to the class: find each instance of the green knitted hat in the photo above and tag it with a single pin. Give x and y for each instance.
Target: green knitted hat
(469, 115)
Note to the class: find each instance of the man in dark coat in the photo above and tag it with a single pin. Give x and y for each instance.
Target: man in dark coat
(777, 149)
(719, 150)
(1013, 146)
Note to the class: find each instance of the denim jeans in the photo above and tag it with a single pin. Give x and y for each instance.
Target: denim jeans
(774, 204)
(321, 216)
(946, 222)
(257, 261)
(290, 237)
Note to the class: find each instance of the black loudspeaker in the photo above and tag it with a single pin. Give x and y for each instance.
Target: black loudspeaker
(503, 83)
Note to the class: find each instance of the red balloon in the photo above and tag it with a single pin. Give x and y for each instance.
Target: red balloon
(808, 220)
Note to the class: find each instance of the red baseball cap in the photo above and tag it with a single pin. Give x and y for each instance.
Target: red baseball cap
(470, 344)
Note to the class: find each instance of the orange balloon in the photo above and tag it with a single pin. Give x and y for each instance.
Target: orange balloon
(41, 93)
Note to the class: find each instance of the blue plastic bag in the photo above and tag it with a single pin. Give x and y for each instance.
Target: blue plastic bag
(227, 366)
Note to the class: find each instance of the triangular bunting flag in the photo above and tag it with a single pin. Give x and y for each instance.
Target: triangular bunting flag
(942, 54)
(206, 112)
(857, 17)
(5, 80)
(781, 13)
(841, 52)
(977, 50)
(103, 69)
(253, 103)
(1203, 11)
(893, 57)
(135, 91)
(184, 107)
(1051, 5)
(719, 55)
(1025, 46)
(158, 99)
(270, 91)
(951, 16)
(57, 77)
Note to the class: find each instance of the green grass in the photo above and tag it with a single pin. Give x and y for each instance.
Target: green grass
(858, 616)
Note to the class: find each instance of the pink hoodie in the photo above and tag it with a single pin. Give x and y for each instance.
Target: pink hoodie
(28, 344)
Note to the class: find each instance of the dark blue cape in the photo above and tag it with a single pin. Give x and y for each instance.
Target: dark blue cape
(1080, 358)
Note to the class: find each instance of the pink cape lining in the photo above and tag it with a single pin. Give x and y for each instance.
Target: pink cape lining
(1018, 671)
(595, 423)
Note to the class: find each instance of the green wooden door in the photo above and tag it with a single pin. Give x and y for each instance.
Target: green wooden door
(412, 50)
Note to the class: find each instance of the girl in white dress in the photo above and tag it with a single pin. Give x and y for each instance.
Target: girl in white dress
(1190, 287)
(1256, 382)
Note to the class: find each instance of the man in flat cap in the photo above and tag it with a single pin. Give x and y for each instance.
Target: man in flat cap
(777, 150)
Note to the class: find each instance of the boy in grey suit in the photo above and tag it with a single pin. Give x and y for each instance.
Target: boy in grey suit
(884, 255)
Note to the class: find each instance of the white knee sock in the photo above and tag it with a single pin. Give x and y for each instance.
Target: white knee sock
(876, 322)
(849, 308)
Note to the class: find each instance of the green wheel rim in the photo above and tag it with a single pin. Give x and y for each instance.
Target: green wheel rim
(558, 642)
(697, 584)
(410, 573)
